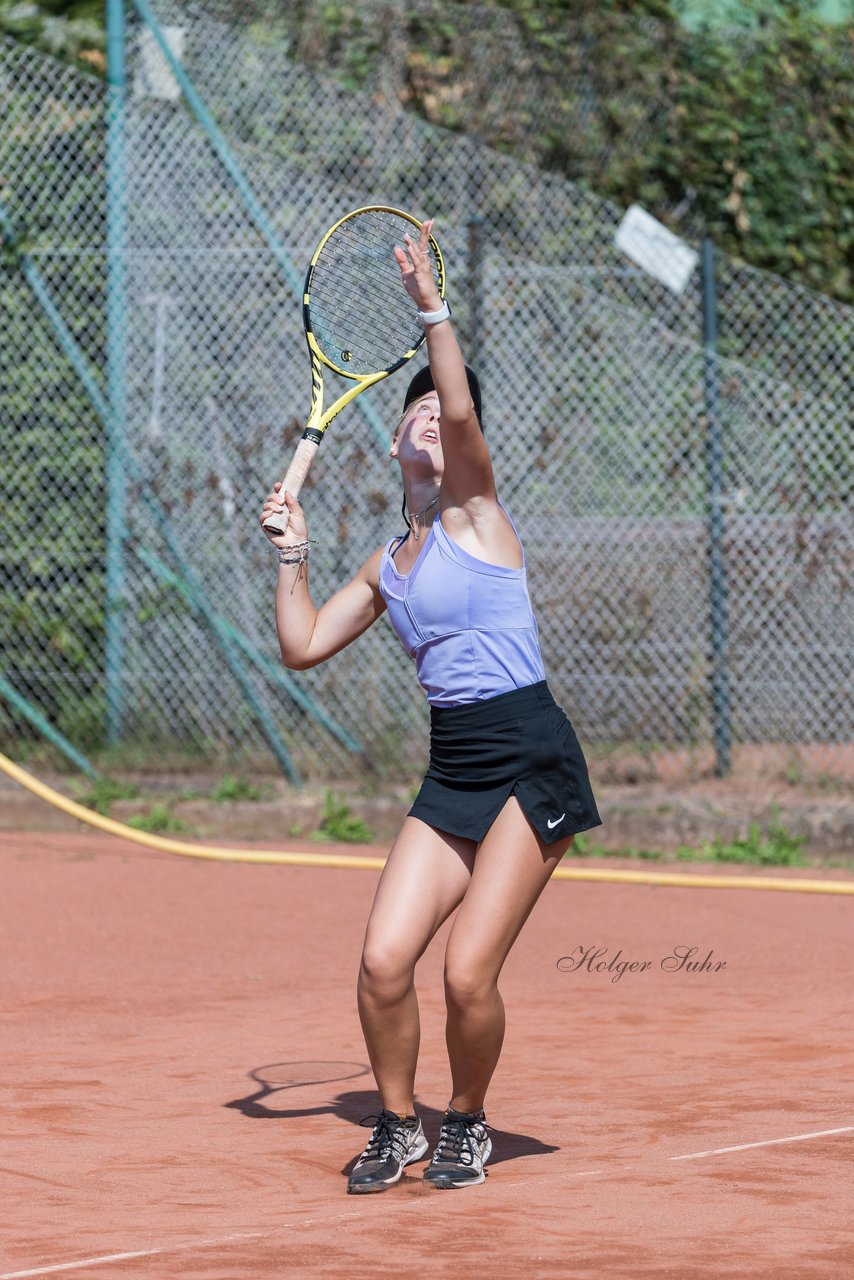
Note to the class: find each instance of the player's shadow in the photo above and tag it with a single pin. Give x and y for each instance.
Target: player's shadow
(355, 1105)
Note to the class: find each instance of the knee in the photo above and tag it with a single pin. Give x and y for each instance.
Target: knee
(384, 972)
(467, 981)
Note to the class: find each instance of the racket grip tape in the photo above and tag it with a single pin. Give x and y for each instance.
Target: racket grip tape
(293, 482)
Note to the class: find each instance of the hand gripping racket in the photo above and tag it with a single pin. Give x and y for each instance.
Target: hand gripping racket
(359, 320)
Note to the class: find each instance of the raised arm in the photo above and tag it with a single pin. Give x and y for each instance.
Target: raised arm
(468, 466)
(308, 635)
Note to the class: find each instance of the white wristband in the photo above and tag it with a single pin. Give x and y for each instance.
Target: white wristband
(435, 317)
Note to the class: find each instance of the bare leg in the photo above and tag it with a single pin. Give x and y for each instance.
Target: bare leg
(425, 877)
(511, 870)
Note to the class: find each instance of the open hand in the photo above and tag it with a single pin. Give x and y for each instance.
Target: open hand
(415, 269)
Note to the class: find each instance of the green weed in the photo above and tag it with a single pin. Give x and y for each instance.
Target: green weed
(339, 823)
(777, 848)
(231, 790)
(188, 793)
(158, 818)
(104, 791)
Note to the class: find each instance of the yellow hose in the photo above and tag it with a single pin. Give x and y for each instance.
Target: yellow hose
(223, 854)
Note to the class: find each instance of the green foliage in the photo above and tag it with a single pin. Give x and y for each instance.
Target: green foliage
(69, 29)
(231, 790)
(756, 14)
(582, 847)
(747, 132)
(787, 206)
(104, 791)
(51, 634)
(158, 818)
(542, 14)
(746, 128)
(340, 824)
(776, 848)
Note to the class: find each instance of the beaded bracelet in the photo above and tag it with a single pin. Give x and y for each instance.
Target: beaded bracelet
(296, 553)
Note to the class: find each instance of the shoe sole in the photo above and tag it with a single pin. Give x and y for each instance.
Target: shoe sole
(362, 1188)
(447, 1183)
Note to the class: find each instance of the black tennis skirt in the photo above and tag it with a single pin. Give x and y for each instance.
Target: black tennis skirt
(518, 743)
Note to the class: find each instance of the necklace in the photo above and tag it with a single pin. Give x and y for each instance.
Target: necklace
(419, 514)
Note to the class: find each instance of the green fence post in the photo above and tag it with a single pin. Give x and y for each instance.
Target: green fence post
(70, 347)
(39, 721)
(474, 286)
(116, 394)
(722, 725)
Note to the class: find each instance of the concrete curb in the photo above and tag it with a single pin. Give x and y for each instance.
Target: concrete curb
(651, 817)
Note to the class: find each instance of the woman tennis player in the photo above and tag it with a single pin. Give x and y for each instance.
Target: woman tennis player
(507, 786)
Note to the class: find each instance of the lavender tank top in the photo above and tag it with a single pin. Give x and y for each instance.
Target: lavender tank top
(467, 623)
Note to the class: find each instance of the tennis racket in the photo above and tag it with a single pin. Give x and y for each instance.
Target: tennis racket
(359, 320)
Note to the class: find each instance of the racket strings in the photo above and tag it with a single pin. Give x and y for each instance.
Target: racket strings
(363, 319)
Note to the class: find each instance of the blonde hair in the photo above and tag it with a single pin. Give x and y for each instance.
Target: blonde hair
(400, 422)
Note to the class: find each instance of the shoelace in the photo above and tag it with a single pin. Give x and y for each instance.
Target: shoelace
(387, 1136)
(455, 1140)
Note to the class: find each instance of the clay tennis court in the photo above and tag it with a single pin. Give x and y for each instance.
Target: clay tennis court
(185, 1075)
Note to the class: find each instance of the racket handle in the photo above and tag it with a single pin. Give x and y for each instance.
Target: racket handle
(292, 483)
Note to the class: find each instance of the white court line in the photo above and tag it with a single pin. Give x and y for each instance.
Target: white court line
(84, 1262)
(745, 1146)
(201, 1244)
(255, 1235)
(122, 1257)
(233, 1237)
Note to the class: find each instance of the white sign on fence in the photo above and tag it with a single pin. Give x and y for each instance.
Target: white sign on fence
(655, 248)
(153, 77)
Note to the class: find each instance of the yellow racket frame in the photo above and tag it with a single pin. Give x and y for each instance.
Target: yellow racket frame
(318, 420)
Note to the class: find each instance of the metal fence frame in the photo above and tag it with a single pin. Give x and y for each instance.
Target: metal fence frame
(727, 406)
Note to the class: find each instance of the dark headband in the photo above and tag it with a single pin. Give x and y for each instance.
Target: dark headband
(423, 382)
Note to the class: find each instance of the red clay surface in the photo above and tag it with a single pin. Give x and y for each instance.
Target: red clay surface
(144, 994)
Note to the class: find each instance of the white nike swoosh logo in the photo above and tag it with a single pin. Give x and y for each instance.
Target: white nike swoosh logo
(556, 821)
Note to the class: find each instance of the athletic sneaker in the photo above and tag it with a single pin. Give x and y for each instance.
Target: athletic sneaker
(463, 1149)
(394, 1143)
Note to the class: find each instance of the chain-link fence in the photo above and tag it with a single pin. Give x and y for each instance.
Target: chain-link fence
(137, 592)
